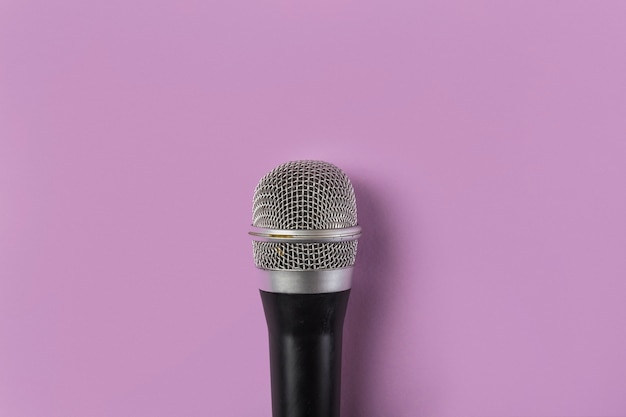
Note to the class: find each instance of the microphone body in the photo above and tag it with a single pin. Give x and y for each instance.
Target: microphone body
(305, 332)
(304, 239)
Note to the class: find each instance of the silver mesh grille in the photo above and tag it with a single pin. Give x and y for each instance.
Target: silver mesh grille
(304, 256)
(304, 195)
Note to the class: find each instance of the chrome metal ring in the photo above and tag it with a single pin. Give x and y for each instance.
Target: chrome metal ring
(305, 282)
(299, 236)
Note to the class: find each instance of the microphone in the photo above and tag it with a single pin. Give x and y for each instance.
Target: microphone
(305, 231)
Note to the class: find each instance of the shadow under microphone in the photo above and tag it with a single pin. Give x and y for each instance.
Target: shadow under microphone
(305, 233)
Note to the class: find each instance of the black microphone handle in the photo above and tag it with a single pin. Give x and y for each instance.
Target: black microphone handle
(305, 332)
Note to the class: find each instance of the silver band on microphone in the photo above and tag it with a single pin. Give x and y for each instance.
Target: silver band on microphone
(305, 282)
(303, 236)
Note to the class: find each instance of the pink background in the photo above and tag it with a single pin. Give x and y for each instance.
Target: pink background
(486, 142)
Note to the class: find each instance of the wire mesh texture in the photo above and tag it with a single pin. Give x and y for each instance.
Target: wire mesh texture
(304, 195)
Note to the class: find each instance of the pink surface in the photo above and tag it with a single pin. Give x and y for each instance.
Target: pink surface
(486, 142)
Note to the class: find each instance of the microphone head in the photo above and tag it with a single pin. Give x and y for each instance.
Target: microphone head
(304, 217)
